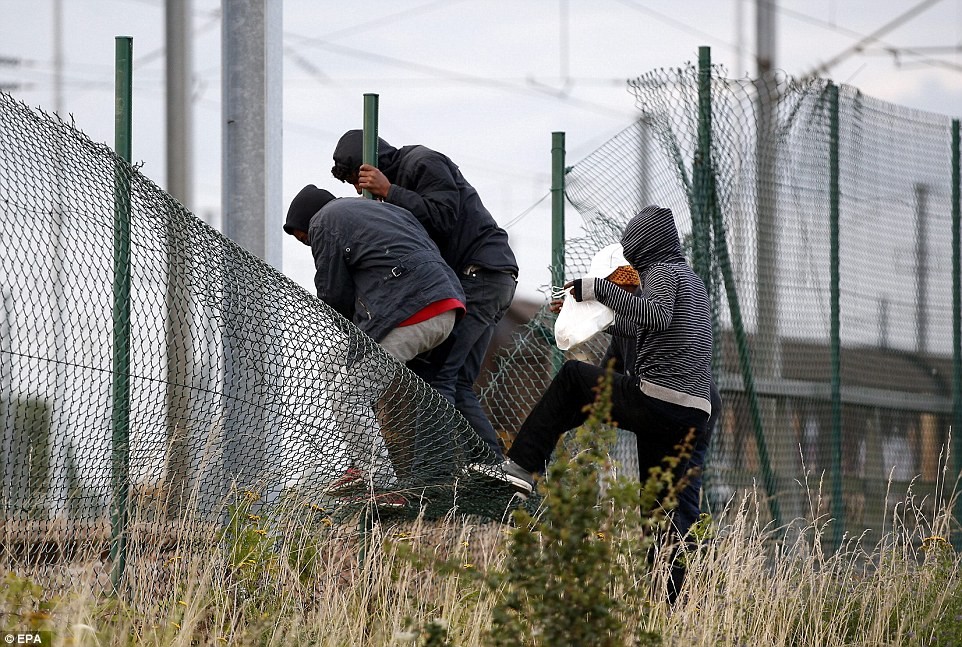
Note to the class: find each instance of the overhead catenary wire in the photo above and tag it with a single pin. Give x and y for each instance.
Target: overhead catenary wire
(529, 88)
(521, 216)
(872, 37)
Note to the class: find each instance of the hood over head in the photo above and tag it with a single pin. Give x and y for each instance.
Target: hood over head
(305, 204)
(349, 154)
(651, 237)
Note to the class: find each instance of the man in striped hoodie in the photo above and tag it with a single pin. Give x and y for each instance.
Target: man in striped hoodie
(667, 393)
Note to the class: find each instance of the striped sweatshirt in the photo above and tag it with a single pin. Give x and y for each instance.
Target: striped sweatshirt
(670, 318)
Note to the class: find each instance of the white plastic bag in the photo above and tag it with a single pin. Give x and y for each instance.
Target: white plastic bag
(579, 321)
(607, 260)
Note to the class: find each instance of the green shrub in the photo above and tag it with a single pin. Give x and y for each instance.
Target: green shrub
(578, 571)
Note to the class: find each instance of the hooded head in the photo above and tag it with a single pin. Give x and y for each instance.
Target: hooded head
(349, 154)
(651, 237)
(305, 204)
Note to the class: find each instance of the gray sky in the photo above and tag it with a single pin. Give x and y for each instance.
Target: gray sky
(484, 81)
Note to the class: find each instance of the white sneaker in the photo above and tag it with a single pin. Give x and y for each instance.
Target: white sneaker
(507, 472)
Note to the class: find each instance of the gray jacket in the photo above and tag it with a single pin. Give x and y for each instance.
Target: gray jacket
(670, 318)
(376, 265)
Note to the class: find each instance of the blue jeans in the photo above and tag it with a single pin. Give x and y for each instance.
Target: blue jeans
(688, 510)
(455, 365)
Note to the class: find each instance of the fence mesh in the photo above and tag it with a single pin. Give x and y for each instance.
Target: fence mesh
(236, 383)
(239, 383)
(754, 207)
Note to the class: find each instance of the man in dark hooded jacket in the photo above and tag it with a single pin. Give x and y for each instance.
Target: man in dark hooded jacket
(668, 391)
(431, 187)
(377, 267)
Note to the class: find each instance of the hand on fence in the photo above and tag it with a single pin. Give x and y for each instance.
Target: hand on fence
(372, 179)
(557, 299)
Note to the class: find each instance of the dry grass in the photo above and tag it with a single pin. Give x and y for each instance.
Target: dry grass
(297, 580)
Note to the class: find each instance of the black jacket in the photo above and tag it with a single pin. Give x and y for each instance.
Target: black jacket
(376, 265)
(431, 186)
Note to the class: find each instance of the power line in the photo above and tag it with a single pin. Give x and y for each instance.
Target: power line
(319, 76)
(874, 36)
(392, 19)
(677, 24)
(521, 216)
(857, 48)
(918, 59)
(529, 88)
(916, 51)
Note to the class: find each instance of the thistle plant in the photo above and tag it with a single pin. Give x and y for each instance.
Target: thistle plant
(578, 571)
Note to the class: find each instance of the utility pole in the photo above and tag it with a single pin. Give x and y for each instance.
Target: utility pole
(766, 350)
(58, 56)
(179, 123)
(59, 435)
(181, 266)
(739, 37)
(252, 64)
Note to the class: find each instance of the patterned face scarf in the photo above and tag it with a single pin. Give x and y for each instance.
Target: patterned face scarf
(625, 277)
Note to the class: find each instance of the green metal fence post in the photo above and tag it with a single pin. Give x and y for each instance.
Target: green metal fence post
(838, 507)
(368, 156)
(557, 224)
(707, 216)
(120, 416)
(369, 139)
(956, 325)
(557, 208)
(701, 172)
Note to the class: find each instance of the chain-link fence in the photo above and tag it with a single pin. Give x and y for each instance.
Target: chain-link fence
(823, 222)
(151, 371)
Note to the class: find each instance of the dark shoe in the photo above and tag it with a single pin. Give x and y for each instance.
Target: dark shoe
(508, 472)
(383, 501)
(390, 501)
(353, 481)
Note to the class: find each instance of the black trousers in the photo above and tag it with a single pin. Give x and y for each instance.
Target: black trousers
(658, 426)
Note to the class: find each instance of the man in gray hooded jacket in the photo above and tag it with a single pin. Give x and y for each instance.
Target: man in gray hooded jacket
(667, 393)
